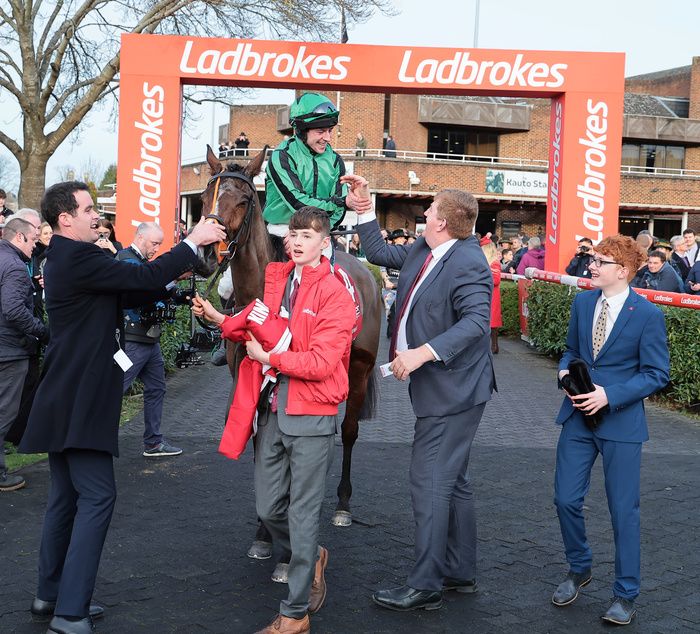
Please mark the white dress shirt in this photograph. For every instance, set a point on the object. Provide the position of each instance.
(615, 304)
(438, 253)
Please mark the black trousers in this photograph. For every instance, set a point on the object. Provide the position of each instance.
(79, 510)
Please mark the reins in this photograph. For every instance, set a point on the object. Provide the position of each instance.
(244, 226)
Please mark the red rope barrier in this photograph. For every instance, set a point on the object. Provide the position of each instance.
(679, 300)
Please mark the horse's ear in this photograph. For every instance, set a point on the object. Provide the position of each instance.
(214, 164)
(253, 168)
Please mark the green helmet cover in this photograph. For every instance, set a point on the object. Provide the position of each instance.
(312, 110)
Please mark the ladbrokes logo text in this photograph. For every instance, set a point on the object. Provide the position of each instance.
(460, 69)
(243, 61)
(149, 173)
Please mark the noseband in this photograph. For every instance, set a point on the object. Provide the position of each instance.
(245, 225)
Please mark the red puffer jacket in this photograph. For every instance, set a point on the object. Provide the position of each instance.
(321, 326)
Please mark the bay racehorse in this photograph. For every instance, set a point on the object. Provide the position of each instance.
(231, 198)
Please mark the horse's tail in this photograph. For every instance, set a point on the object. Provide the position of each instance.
(369, 406)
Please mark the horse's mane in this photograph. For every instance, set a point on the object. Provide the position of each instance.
(278, 252)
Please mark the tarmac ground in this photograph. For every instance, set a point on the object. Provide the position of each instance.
(175, 557)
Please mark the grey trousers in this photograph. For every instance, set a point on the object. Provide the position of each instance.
(12, 375)
(443, 501)
(290, 483)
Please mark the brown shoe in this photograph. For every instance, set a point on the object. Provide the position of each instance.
(318, 587)
(287, 625)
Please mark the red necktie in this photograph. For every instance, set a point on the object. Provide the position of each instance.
(292, 301)
(293, 295)
(404, 307)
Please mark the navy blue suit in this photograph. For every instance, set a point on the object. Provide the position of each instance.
(632, 364)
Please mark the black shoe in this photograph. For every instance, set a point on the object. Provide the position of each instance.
(406, 598)
(620, 611)
(460, 585)
(10, 482)
(567, 591)
(43, 610)
(63, 625)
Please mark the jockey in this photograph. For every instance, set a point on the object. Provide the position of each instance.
(305, 170)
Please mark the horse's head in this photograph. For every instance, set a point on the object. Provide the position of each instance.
(230, 194)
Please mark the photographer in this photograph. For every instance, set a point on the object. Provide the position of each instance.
(107, 239)
(579, 263)
(142, 328)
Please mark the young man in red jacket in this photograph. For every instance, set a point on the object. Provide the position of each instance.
(295, 438)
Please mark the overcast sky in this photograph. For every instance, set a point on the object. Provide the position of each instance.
(654, 34)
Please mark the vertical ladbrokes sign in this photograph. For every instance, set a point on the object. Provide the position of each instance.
(586, 89)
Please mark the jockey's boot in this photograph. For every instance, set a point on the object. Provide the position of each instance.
(287, 625)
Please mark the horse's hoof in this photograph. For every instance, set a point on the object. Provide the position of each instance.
(260, 550)
(281, 573)
(342, 518)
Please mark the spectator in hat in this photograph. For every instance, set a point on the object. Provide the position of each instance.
(241, 144)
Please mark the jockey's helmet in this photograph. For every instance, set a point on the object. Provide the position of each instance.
(312, 110)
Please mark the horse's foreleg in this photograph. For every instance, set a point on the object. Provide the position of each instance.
(361, 365)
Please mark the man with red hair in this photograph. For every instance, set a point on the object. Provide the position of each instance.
(606, 331)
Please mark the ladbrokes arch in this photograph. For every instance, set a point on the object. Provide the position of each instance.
(587, 91)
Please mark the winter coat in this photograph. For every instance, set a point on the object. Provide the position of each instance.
(321, 325)
(79, 399)
(533, 257)
(20, 330)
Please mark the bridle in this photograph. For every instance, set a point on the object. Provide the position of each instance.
(233, 244)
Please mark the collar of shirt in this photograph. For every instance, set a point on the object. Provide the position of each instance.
(137, 250)
(440, 251)
(615, 304)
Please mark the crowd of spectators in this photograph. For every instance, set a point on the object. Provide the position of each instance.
(671, 266)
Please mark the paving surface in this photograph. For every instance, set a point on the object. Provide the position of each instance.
(175, 558)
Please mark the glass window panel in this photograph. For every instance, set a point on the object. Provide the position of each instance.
(630, 154)
(675, 157)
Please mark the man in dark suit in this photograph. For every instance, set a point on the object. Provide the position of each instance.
(621, 337)
(442, 342)
(75, 416)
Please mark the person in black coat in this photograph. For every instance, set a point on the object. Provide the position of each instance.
(579, 263)
(75, 416)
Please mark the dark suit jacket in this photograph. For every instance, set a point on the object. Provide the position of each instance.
(452, 312)
(683, 267)
(633, 363)
(78, 401)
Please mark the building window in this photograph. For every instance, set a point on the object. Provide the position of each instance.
(455, 142)
(653, 157)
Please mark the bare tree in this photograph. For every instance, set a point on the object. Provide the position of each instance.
(59, 58)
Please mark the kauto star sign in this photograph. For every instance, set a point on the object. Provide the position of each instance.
(583, 182)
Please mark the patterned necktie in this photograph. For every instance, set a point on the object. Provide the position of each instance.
(402, 312)
(293, 295)
(599, 330)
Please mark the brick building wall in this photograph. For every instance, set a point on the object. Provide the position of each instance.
(360, 112)
(259, 122)
(664, 84)
(533, 144)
